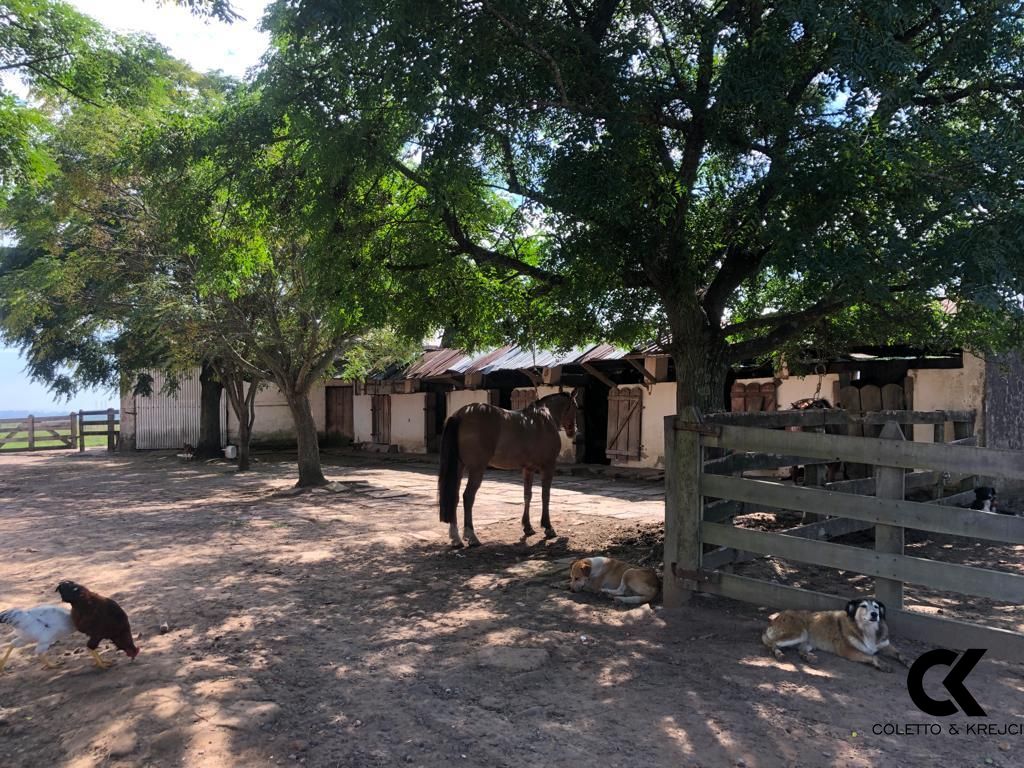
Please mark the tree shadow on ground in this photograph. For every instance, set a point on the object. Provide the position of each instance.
(314, 628)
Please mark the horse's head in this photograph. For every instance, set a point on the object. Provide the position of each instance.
(562, 407)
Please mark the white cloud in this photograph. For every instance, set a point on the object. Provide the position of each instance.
(204, 44)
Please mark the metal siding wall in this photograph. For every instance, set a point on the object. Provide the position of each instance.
(168, 422)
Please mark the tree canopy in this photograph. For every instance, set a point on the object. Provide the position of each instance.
(736, 178)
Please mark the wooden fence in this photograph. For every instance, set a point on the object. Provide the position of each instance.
(38, 433)
(55, 433)
(690, 525)
(103, 423)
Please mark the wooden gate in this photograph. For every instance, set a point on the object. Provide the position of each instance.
(38, 433)
(339, 412)
(625, 408)
(689, 525)
(380, 431)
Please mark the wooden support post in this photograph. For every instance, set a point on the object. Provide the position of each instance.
(110, 430)
(81, 432)
(814, 475)
(73, 428)
(939, 436)
(31, 432)
(889, 484)
(683, 505)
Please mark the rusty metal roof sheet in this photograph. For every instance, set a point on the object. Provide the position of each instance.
(437, 363)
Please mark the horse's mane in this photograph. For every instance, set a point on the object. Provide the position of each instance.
(552, 396)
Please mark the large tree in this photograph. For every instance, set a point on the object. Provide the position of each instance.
(83, 290)
(731, 177)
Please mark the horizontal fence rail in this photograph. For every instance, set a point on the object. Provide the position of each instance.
(907, 514)
(951, 577)
(871, 450)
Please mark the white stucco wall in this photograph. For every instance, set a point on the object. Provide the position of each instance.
(459, 398)
(408, 420)
(362, 418)
(958, 389)
(273, 421)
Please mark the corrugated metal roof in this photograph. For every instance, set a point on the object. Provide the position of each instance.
(436, 363)
(601, 352)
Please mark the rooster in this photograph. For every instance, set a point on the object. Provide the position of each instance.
(100, 618)
(43, 625)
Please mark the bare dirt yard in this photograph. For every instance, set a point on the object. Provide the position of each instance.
(336, 628)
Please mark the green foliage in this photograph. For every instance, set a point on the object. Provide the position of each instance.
(746, 177)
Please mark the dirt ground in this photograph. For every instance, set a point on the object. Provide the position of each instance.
(336, 628)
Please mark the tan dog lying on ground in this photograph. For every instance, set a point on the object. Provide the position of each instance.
(626, 583)
(859, 633)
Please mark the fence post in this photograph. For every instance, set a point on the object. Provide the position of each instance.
(110, 429)
(72, 430)
(81, 432)
(683, 505)
(31, 432)
(890, 484)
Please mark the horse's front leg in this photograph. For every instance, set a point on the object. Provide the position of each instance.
(472, 485)
(527, 495)
(545, 498)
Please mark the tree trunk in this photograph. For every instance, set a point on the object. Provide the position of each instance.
(702, 369)
(244, 436)
(208, 446)
(245, 421)
(310, 472)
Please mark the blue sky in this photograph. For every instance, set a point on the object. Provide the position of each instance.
(205, 45)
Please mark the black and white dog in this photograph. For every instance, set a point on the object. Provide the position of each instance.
(984, 499)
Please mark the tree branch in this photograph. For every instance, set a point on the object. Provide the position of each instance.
(467, 246)
(600, 20)
(531, 46)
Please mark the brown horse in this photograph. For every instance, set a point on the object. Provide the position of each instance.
(479, 436)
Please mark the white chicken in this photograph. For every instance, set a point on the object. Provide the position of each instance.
(43, 625)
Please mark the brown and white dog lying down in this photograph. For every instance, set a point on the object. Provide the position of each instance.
(624, 582)
(859, 633)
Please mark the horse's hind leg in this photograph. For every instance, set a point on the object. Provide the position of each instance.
(475, 477)
(527, 495)
(453, 526)
(545, 498)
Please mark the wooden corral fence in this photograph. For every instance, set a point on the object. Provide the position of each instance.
(898, 465)
(38, 433)
(104, 423)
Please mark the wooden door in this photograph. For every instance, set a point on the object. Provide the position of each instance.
(339, 412)
(433, 422)
(625, 407)
(521, 398)
(380, 412)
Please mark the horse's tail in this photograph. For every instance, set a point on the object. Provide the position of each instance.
(449, 476)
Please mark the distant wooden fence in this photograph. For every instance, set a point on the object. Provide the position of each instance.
(104, 423)
(38, 433)
(689, 524)
(55, 433)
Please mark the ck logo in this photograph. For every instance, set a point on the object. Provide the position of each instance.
(953, 682)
